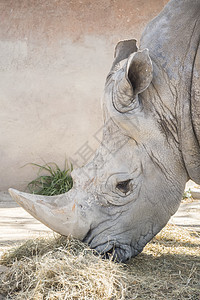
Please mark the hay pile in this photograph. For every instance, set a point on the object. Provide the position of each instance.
(63, 268)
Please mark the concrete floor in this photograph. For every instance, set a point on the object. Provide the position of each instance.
(17, 225)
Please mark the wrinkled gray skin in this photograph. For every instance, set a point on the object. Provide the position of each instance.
(150, 146)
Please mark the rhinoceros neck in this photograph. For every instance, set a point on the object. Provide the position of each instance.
(173, 41)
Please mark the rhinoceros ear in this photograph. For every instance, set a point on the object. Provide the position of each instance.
(131, 80)
(139, 71)
(124, 49)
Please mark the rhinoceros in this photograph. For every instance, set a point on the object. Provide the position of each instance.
(151, 142)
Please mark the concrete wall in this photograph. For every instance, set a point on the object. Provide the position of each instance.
(54, 57)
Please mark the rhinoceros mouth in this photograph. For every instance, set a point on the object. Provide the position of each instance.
(118, 254)
(115, 252)
(110, 248)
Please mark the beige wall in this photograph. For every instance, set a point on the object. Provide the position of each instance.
(54, 57)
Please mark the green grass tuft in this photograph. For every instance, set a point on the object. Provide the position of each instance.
(54, 182)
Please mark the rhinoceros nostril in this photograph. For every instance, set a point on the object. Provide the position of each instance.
(108, 254)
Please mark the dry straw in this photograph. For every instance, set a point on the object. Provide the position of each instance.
(64, 268)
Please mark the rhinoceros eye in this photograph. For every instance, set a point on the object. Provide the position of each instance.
(124, 186)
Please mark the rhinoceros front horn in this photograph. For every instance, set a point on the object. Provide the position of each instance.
(132, 79)
(59, 213)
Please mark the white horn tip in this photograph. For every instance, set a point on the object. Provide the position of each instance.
(13, 193)
(16, 195)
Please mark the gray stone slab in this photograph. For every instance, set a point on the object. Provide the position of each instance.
(188, 215)
(195, 192)
(6, 200)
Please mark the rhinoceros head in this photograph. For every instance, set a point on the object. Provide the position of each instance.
(128, 192)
